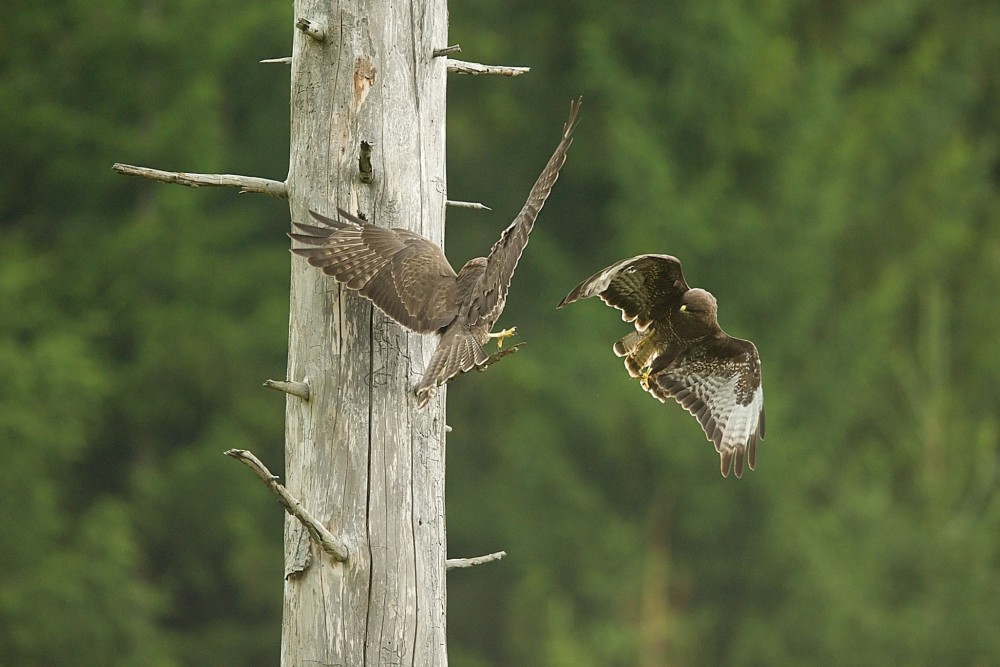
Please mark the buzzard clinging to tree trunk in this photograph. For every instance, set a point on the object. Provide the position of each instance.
(679, 351)
(411, 281)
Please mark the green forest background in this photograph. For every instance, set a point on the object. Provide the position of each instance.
(830, 170)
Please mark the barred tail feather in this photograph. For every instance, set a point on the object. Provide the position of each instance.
(458, 351)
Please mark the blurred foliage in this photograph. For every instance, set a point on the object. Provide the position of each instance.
(831, 171)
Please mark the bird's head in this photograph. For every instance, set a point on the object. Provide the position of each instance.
(698, 310)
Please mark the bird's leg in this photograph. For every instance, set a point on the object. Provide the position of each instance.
(501, 336)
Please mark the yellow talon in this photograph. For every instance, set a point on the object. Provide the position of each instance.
(644, 378)
(503, 335)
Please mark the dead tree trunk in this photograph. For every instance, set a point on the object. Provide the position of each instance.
(367, 135)
(365, 552)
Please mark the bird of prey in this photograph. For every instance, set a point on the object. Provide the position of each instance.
(411, 281)
(679, 351)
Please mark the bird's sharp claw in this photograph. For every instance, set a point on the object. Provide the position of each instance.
(501, 336)
(644, 379)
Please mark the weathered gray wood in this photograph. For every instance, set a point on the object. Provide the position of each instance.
(332, 544)
(475, 69)
(244, 183)
(358, 454)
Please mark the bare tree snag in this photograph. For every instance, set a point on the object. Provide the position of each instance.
(358, 453)
(455, 563)
(447, 50)
(244, 183)
(367, 135)
(300, 389)
(314, 29)
(329, 542)
(476, 69)
(476, 206)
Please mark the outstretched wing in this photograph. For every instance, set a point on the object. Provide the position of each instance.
(402, 273)
(506, 252)
(644, 288)
(718, 382)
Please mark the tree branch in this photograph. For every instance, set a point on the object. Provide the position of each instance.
(314, 29)
(490, 360)
(330, 543)
(454, 563)
(498, 355)
(244, 183)
(447, 51)
(467, 204)
(300, 389)
(475, 69)
(287, 60)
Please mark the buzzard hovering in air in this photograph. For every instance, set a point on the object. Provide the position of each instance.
(411, 281)
(678, 351)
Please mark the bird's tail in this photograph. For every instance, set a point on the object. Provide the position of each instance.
(637, 350)
(457, 352)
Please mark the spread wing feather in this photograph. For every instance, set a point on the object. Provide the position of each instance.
(719, 383)
(642, 288)
(402, 273)
(506, 252)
